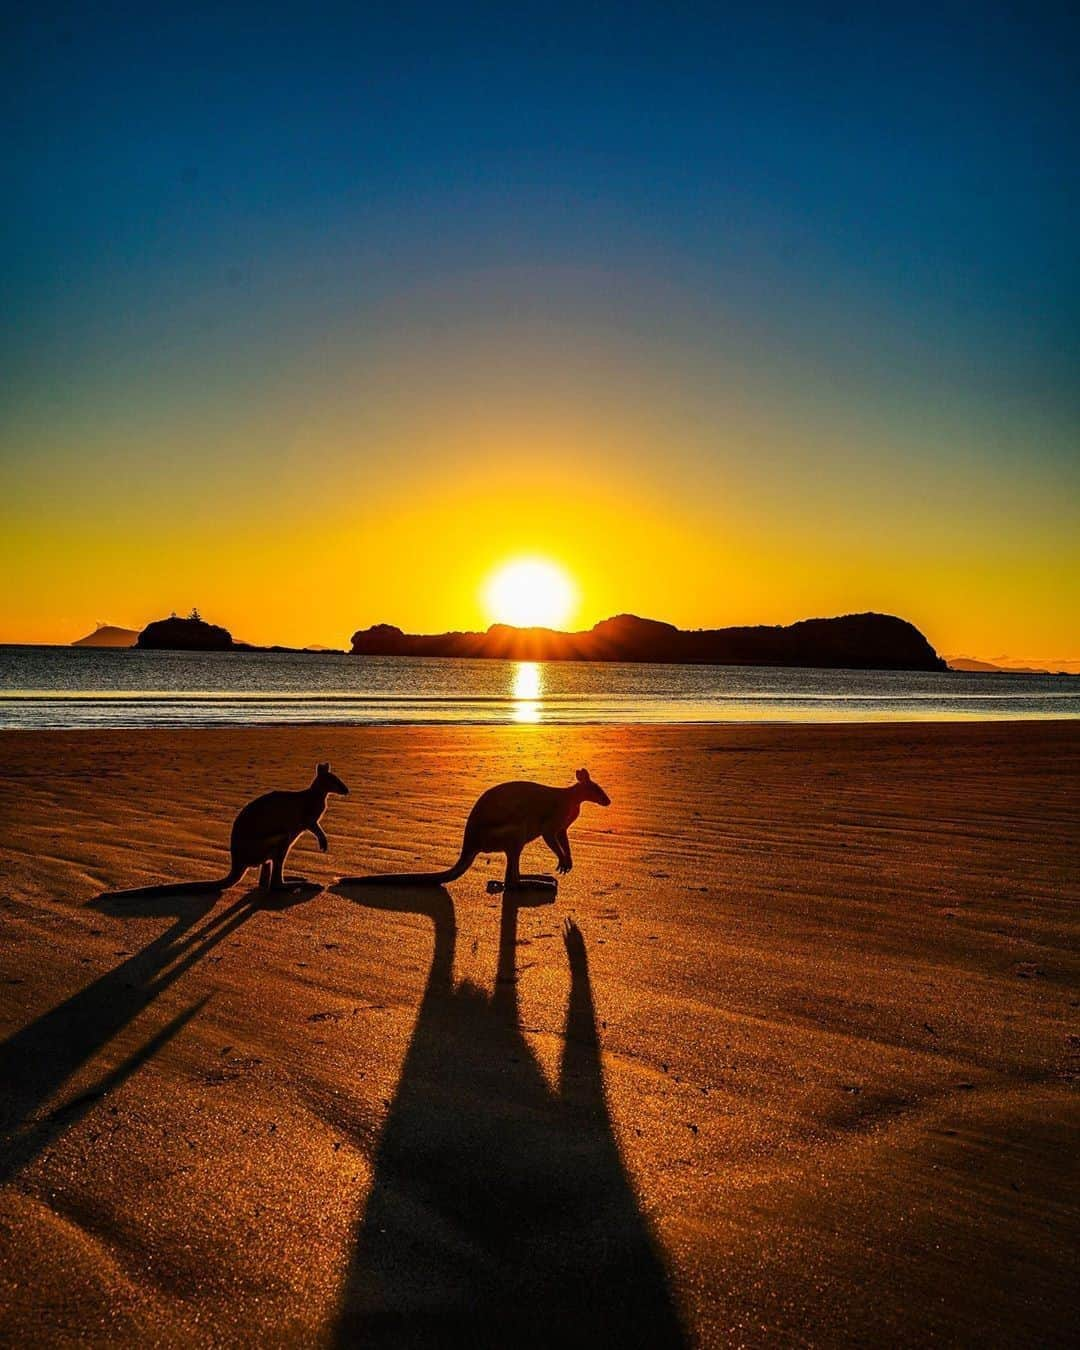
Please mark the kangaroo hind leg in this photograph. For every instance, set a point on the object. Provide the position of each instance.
(514, 881)
(277, 872)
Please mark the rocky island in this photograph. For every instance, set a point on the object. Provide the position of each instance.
(194, 634)
(851, 642)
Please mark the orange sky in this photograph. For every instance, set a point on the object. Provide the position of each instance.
(323, 532)
(384, 479)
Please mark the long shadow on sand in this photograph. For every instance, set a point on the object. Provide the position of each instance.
(37, 1061)
(500, 1211)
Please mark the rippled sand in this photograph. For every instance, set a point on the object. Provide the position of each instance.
(802, 1070)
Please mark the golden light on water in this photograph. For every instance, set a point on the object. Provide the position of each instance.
(526, 691)
(530, 593)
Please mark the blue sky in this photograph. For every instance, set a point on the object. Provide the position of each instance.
(864, 217)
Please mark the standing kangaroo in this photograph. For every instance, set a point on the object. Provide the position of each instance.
(504, 820)
(267, 828)
(262, 835)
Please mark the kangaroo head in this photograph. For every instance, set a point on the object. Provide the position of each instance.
(329, 782)
(590, 791)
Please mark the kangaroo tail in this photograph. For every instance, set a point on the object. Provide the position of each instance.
(210, 884)
(179, 887)
(459, 869)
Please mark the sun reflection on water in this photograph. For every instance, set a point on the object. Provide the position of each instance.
(526, 691)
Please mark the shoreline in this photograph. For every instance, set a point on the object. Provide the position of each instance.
(463, 725)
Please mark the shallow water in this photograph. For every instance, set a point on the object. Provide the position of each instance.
(83, 687)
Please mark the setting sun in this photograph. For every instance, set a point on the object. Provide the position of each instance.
(530, 593)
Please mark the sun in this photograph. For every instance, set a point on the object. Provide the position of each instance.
(530, 593)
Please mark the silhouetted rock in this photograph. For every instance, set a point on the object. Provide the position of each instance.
(185, 635)
(106, 635)
(852, 642)
(194, 634)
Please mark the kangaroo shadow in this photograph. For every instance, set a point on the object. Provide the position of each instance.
(500, 1212)
(38, 1060)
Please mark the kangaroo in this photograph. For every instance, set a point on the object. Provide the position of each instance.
(504, 820)
(267, 828)
(263, 833)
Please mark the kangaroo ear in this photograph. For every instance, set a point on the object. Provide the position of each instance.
(323, 768)
(582, 775)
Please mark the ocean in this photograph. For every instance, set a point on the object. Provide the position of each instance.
(65, 687)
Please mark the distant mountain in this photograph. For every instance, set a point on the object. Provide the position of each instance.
(105, 635)
(852, 641)
(970, 664)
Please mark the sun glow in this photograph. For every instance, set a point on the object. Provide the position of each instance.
(526, 689)
(530, 593)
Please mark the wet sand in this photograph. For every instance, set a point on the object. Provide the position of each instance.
(801, 1070)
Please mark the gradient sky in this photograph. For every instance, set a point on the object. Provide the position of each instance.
(315, 314)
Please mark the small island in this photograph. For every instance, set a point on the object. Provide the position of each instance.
(194, 634)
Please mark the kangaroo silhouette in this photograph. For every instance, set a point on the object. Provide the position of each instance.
(505, 819)
(267, 828)
(262, 835)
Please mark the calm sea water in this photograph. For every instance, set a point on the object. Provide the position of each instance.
(84, 687)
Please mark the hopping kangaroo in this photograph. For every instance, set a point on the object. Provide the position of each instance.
(504, 820)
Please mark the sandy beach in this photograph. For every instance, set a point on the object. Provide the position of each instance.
(802, 1068)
